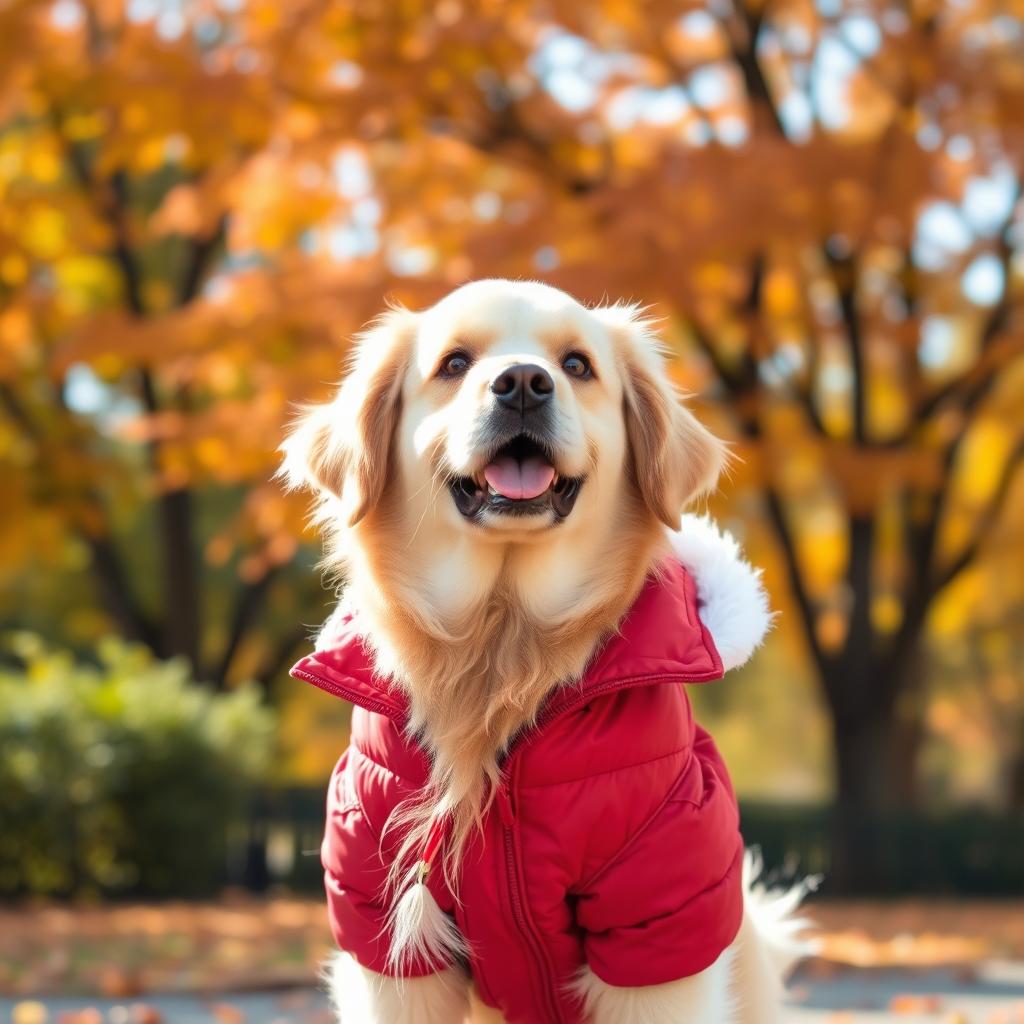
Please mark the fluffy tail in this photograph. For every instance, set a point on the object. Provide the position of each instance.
(771, 941)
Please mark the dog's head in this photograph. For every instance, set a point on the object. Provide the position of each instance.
(506, 411)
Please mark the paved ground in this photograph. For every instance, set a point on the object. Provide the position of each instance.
(992, 994)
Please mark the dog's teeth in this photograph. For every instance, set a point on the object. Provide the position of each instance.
(491, 490)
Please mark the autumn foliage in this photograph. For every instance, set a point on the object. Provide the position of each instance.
(201, 202)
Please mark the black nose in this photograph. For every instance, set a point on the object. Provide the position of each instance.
(523, 386)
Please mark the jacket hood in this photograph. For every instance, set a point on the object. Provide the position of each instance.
(733, 604)
(704, 612)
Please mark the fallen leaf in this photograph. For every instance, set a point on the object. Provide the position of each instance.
(228, 1014)
(143, 1013)
(29, 1013)
(915, 1004)
(117, 983)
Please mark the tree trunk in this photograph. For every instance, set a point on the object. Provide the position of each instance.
(181, 577)
(877, 736)
(1016, 794)
(863, 762)
(863, 752)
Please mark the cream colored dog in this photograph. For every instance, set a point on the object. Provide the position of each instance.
(521, 559)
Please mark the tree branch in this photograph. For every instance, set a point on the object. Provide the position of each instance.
(247, 607)
(732, 381)
(994, 323)
(181, 619)
(281, 655)
(200, 257)
(843, 271)
(17, 412)
(117, 217)
(105, 561)
(116, 592)
(743, 44)
(986, 523)
(112, 205)
(807, 612)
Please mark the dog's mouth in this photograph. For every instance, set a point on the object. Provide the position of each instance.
(519, 480)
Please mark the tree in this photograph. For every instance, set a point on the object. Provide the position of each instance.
(202, 202)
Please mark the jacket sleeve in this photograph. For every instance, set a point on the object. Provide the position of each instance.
(670, 901)
(355, 861)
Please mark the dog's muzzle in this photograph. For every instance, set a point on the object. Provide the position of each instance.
(518, 479)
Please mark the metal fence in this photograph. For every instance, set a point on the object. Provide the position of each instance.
(966, 853)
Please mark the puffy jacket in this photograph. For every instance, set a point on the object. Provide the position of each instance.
(614, 841)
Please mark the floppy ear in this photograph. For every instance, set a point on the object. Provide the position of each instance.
(344, 446)
(673, 457)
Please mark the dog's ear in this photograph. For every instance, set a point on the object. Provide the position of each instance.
(673, 458)
(344, 446)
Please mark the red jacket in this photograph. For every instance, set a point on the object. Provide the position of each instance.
(614, 841)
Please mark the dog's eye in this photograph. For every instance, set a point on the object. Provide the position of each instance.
(455, 364)
(577, 365)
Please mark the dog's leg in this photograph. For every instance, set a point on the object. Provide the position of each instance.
(705, 998)
(361, 996)
(479, 1013)
(746, 985)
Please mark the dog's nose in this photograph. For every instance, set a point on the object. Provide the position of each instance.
(523, 386)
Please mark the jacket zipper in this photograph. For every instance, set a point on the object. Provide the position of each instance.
(523, 923)
(504, 800)
(508, 821)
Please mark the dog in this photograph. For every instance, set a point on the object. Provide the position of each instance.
(528, 825)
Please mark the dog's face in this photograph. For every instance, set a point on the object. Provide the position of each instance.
(512, 400)
(506, 412)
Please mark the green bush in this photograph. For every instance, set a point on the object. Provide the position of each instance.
(124, 776)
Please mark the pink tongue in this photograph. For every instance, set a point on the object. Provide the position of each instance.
(513, 479)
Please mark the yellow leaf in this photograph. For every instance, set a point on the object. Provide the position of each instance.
(43, 164)
(45, 232)
(13, 269)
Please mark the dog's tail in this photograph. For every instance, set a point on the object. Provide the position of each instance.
(772, 939)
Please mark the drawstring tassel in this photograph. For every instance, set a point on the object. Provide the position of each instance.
(420, 929)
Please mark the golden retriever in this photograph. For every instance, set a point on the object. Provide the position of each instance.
(496, 477)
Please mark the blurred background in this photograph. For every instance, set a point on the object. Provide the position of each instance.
(202, 200)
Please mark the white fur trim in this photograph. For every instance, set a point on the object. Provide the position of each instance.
(361, 996)
(733, 603)
(704, 998)
(421, 930)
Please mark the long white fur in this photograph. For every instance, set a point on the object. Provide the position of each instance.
(733, 603)
(421, 930)
(360, 996)
(705, 998)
